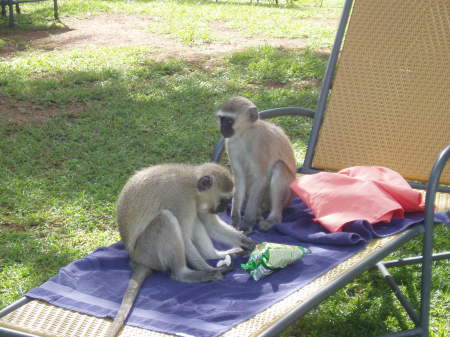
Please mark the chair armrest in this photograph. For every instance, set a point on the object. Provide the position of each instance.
(433, 184)
(427, 249)
(264, 114)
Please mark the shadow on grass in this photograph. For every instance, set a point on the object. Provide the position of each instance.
(60, 178)
(28, 27)
(369, 311)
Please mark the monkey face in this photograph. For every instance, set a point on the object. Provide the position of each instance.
(226, 126)
(223, 204)
(214, 206)
(214, 200)
(236, 118)
(214, 188)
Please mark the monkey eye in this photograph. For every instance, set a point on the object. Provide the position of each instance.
(226, 121)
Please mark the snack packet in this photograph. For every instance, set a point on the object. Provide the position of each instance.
(269, 256)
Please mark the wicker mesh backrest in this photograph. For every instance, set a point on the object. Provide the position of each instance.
(390, 102)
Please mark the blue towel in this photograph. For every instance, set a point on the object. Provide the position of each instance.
(96, 283)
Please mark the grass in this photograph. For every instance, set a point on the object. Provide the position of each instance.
(176, 17)
(118, 109)
(62, 177)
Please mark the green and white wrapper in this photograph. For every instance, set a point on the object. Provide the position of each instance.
(269, 256)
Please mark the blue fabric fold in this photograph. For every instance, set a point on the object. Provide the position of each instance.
(298, 223)
(95, 284)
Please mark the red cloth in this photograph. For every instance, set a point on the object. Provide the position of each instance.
(371, 193)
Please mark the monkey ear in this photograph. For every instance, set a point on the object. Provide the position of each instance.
(204, 183)
(253, 114)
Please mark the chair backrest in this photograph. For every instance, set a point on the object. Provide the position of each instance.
(390, 98)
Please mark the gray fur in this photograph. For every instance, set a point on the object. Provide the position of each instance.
(166, 221)
(263, 164)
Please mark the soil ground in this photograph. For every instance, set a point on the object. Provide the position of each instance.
(131, 30)
(121, 30)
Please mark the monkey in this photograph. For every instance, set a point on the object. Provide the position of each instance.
(167, 215)
(262, 161)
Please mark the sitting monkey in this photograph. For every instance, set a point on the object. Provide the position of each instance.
(167, 215)
(262, 160)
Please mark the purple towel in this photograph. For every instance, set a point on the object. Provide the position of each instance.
(95, 284)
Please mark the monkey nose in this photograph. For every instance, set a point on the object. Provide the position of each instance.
(221, 208)
(227, 132)
(223, 205)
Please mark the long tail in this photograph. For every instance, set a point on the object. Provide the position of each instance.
(140, 273)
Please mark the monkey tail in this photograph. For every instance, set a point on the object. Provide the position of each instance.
(140, 273)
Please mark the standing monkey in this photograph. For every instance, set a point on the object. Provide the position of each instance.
(262, 161)
(167, 215)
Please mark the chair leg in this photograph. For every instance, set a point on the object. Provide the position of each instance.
(425, 294)
(55, 9)
(11, 13)
(398, 293)
(422, 322)
(427, 251)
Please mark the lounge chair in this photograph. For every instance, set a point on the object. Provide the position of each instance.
(385, 103)
(11, 3)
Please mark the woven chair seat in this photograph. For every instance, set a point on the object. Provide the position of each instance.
(43, 319)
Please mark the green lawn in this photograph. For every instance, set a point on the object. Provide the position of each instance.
(106, 112)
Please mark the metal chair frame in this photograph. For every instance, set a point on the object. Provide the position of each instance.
(421, 319)
(11, 3)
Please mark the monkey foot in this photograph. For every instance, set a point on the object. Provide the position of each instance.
(265, 225)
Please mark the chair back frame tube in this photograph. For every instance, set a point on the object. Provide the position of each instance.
(427, 249)
(326, 84)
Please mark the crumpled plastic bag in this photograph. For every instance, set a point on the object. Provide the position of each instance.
(268, 257)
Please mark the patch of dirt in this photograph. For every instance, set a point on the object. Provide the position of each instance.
(26, 112)
(132, 30)
(16, 227)
(274, 84)
(312, 82)
(122, 30)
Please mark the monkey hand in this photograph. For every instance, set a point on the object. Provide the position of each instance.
(247, 244)
(225, 265)
(225, 261)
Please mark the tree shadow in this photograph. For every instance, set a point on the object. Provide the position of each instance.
(29, 27)
(63, 175)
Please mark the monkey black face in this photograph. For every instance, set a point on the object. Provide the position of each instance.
(226, 126)
(223, 204)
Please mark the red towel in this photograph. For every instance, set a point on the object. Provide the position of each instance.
(372, 193)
